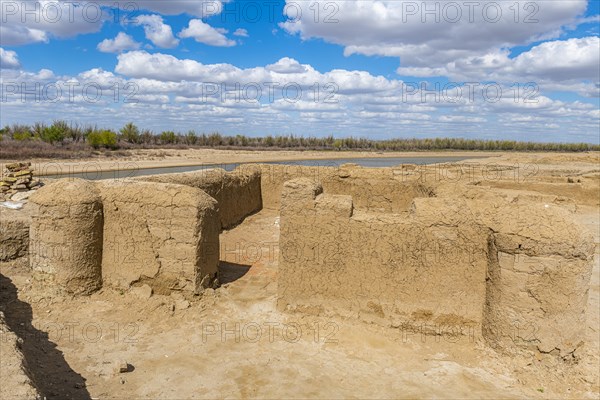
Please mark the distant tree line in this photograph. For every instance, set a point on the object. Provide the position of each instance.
(62, 134)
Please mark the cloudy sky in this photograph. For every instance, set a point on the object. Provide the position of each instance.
(526, 70)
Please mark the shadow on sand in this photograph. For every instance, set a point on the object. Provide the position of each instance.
(47, 366)
(229, 272)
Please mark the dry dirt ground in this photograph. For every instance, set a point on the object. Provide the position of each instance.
(233, 343)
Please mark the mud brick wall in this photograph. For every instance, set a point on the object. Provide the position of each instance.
(66, 235)
(420, 271)
(160, 234)
(14, 235)
(538, 277)
(238, 193)
(516, 272)
(388, 190)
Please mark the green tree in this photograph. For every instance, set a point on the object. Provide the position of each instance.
(55, 133)
(191, 138)
(337, 144)
(22, 135)
(215, 139)
(130, 133)
(168, 137)
(104, 138)
(38, 130)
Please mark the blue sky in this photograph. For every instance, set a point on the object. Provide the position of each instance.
(379, 67)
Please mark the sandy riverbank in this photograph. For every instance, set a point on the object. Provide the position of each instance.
(155, 158)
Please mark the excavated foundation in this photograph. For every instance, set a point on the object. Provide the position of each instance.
(378, 245)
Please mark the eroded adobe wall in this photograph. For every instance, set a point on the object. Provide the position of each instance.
(163, 235)
(238, 193)
(14, 234)
(66, 234)
(422, 271)
(388, 190)
(538, 278)
(517, 271)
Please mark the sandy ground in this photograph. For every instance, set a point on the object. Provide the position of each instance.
(233, 343)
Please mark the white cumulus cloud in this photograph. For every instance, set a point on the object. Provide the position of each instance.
(204, 33)
(16, 35)
(561, 60)
(32, 21)
(430, 33)
(159, 33)
(120, 43)
(548, 64)
(9, 59)
(286, 66)
(241, 32)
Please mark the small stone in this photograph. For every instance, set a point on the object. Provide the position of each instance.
(143, 292)
(17, 166)
(21, 196)
(31, 184)
(23, 173)
(182, 304)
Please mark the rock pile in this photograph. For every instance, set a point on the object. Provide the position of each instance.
(17, 178)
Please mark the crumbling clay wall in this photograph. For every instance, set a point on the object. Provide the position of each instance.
(238, 193)
(423, 271)
(387, 190)
(66, 235)
(162, 235)
(538, 278)
(14, 234)
(517, 272)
